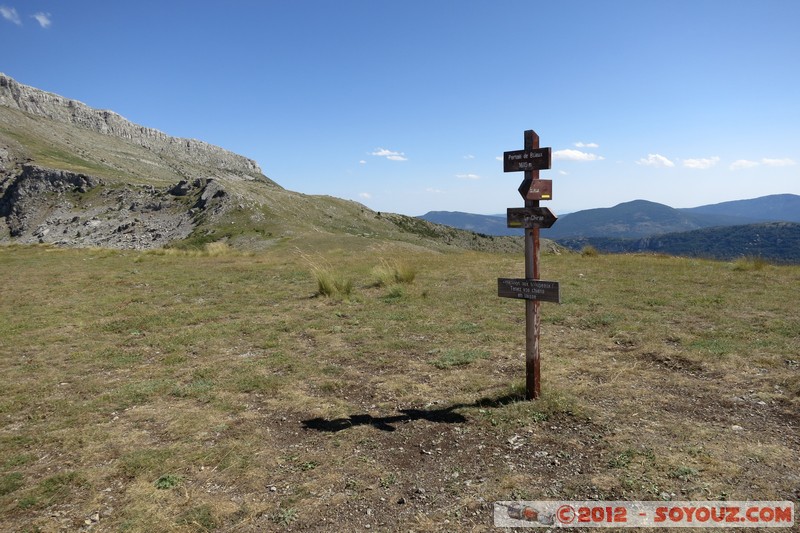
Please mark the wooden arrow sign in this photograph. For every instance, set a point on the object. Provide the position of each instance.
(530, 217)
(540, 190)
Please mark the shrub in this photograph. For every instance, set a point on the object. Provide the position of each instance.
(217, 248)
(589, 251)
(167, 481)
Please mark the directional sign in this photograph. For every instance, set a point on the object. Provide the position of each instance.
(519, 160)
(529, 289)
(540, 190)
(530, 217)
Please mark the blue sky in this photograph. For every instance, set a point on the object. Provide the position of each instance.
(407, 106)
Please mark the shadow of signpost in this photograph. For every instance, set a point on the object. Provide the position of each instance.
(444, 416)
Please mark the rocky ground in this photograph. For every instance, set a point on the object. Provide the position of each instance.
(40, 205)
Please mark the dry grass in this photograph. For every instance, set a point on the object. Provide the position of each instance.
(211, 391)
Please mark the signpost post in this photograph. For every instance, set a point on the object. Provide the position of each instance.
(531, 160)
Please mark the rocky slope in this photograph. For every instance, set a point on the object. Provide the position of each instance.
(64, 208)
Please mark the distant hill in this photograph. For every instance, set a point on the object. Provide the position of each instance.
(778, 242)
(485, 224)
(776, 207)
(636, 219)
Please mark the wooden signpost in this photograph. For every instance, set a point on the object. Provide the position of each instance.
(531, 160)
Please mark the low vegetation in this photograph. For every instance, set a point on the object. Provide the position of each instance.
(776, 242)
(214, 390)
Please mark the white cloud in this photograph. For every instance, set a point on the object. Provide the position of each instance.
(703, 163)
(364, 195)
(435, 191)
(743, 163)
(563, 172)
(655, 160)
(11, 15)
(576, 155)
(44, 19)
(362, 162)
(586, 145)
(390, 154)
(499, 157)
(469, 156)
(468, 176)
(746, 163)
(786, 162)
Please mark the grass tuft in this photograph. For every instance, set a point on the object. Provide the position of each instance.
(390, 273)
(455, 357)
(749, 264)
(331, 283)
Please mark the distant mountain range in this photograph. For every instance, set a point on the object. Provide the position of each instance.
(639, 218)
(723, 230)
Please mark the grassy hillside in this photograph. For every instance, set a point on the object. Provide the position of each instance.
(213, 391)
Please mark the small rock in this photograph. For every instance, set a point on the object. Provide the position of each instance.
(737, 428)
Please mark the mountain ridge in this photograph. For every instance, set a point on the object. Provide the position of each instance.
(33, 101)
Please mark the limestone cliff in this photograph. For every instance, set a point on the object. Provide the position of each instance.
(36, 102)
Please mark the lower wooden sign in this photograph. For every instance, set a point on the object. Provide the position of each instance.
(529, 289)
(530, 217)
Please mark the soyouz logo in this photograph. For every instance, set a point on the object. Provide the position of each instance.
(566, 514)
